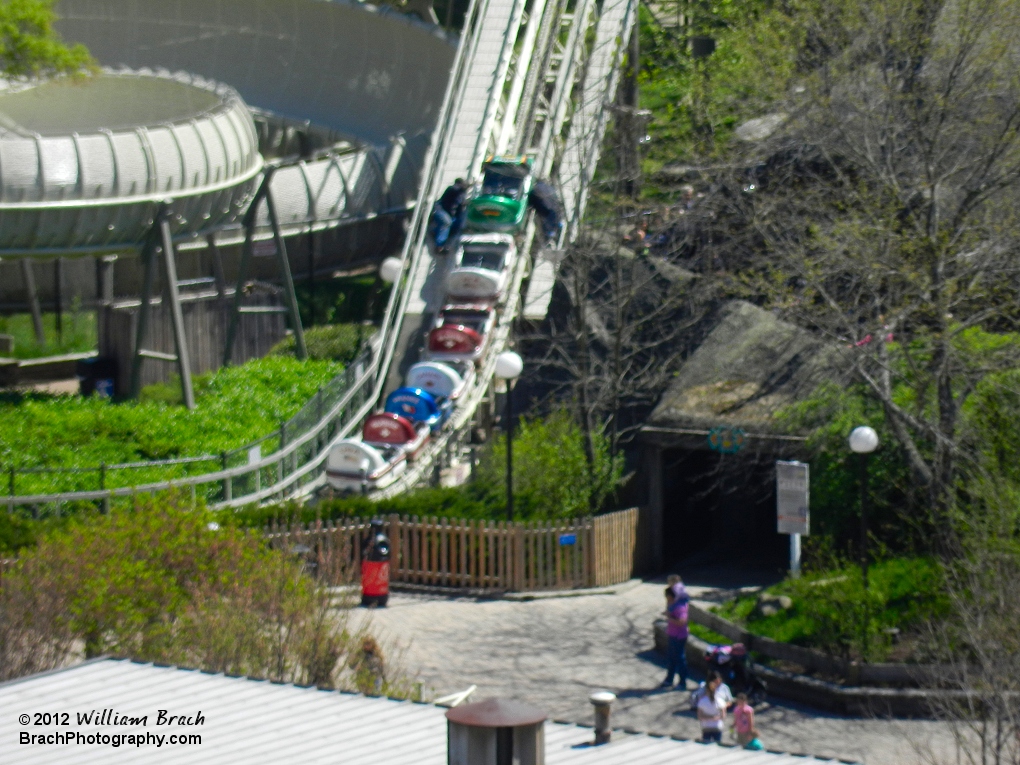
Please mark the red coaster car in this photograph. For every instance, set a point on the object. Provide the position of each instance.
(461, 333)
(386, 429)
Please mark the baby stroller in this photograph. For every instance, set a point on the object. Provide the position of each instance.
(732, 664)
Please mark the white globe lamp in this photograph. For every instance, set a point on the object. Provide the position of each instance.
(389, 269)
(863, 440)
(509, 365)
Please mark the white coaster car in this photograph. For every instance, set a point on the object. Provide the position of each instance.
(443, 379)
(386, 429)
(356, 466)
(481, 267)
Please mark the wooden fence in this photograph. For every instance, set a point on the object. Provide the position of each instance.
(481, 555)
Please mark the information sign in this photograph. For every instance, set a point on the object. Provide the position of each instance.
(725, 440)
(792, 497)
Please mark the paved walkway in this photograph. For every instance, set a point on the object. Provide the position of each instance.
(555, 652)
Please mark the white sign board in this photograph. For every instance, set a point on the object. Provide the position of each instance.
(792, 497)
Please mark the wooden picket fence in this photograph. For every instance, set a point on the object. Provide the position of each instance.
(479, 555)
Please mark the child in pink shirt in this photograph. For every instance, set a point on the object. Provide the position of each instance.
(743, 721)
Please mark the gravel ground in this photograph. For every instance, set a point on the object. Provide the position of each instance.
(555, 652)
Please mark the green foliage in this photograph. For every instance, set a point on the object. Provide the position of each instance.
(345, 300)
(79, 333)
(696, 103)
(552, 477)
(235, 405)
(16, 532)
(551, 480)
(829, 606)
(828, 416)
(332, 342)
(709, 636)
(160, 584)
(458, 502)
(29, 45)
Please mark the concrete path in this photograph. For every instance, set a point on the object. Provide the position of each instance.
(555, 652)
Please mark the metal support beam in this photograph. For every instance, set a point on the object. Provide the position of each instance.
(219, 279)
(33, 300)
(159, 236)
(58, 296)
(148, 257)
(242, 267)
(176, 314)
(288, 280)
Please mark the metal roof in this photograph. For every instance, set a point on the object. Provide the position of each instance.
(259, 722)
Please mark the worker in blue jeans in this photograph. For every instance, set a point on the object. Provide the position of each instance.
(676, 638)
(448, 214)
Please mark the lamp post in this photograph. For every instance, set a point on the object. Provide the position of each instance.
(389, 271)
(863, 441)
(509, 366)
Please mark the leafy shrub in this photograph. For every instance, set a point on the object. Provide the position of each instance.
(159, 584)
(456, 502)
(552, 477)
(15, 532)
(235, 405)
(551, 480)
(829, 606)
(347, 299)
(332, 342)
(78, 333)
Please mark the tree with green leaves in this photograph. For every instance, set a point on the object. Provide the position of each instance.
(879, 210)
(31, 47)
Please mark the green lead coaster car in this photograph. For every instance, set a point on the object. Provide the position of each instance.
(502, 202)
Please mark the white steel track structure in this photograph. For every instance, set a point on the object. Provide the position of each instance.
(479, 114)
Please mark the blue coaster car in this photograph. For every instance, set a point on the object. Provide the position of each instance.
(418, 406)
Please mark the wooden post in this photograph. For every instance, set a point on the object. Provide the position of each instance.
(518, 559)
(396, 548)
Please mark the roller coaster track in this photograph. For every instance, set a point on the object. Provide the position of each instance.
(533, 83)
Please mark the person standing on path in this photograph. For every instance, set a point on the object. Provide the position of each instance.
(712, 700)
(676, 639)
(743, 723)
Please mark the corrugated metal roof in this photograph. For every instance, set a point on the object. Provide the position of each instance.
(258, 722)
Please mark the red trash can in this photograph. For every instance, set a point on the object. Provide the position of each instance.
(375, 566)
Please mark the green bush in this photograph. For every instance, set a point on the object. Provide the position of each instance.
(78, 333)
(458, 502)
(161, 584)
(348, 299)
(829, 606)
(552, 477)
(332, 342)
(235, 405)
(551, 481)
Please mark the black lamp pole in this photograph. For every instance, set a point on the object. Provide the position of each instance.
(509, 452)
(864, 554)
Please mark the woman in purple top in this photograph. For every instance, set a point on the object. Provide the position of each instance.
(676, 638)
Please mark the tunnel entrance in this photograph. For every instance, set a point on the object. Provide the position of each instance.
(718, 511)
